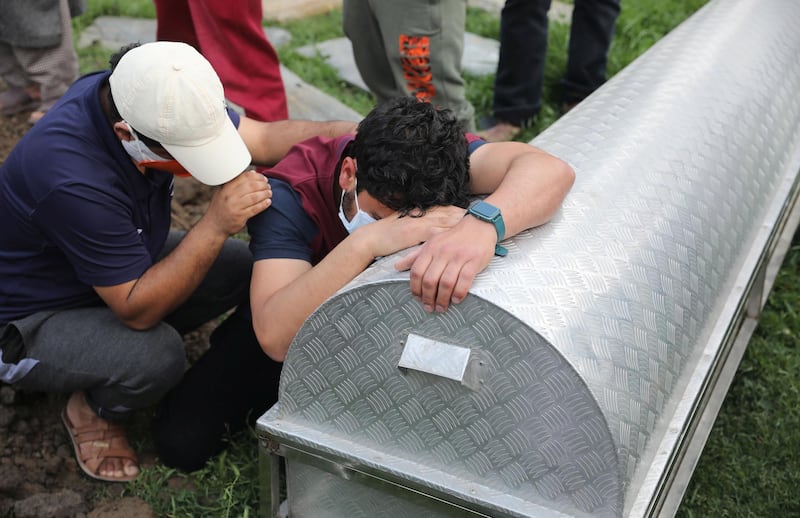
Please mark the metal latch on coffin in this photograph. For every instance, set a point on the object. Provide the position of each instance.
(442, 359)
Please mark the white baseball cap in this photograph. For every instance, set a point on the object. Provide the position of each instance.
(169, 92)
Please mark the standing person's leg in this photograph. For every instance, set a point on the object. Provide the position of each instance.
(520, 68)
(53, 69)
(592, 31)
(363, 29)
(174, 22)
(21, 93)
(11, 71)
(424, 42)
(231, 37)
(447, 53)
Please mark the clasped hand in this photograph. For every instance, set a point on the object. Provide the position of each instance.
(455, 249)
(239, 200)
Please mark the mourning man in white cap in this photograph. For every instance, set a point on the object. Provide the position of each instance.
(96, 291)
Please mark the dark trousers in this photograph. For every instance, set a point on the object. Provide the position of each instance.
(229, 387)
(523, 50)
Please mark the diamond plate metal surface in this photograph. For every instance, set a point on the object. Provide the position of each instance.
(593, 322)
(532, 429)
(318, 494)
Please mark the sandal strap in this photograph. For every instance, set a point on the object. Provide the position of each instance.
(97, 430)
(102, 453)
(85, 435)
(94, 443)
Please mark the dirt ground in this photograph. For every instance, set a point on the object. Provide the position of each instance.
(38, 473)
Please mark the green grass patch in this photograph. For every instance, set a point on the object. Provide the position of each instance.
(750, 466)
(314, 70)
(227, 486)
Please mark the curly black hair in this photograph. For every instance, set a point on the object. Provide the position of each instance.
(412, 156)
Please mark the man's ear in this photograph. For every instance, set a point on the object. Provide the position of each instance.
(347, 173)
(123, 131)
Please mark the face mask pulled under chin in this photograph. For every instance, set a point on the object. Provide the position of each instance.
(145, 157)
(360, 219)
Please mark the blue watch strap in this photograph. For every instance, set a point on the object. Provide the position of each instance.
(489, 213)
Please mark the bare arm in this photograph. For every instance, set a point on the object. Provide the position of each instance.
(268, 142)
(284, 292)
(526, 183)
(142, 303)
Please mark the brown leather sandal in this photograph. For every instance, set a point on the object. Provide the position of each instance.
(96, 442)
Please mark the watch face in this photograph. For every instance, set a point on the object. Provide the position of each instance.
(486, 210)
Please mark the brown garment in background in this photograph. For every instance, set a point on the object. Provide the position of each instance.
(33, 60)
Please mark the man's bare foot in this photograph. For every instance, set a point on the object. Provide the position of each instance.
(500, 132)
(102, 450)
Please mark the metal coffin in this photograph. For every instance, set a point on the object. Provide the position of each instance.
(583, 372)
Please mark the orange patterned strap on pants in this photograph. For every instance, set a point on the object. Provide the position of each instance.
(411, 47)
(415, 56)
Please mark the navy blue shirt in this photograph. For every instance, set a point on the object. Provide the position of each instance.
(284, 230)
(75, 211)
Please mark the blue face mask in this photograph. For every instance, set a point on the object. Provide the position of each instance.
(360, 219)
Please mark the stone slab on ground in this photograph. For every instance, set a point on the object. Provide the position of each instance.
(113, 32)
(309, 103)
(338, 53)
(480, 57)
(305, 101)
(559, 11)
(285, 10)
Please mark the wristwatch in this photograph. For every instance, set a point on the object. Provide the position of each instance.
(490, 214)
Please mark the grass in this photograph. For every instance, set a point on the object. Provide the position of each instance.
(226, 487)
(749, 466)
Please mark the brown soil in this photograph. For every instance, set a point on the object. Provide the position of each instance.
(38, 472)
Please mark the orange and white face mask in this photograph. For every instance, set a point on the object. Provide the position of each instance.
(143, 156)
(170, 166)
